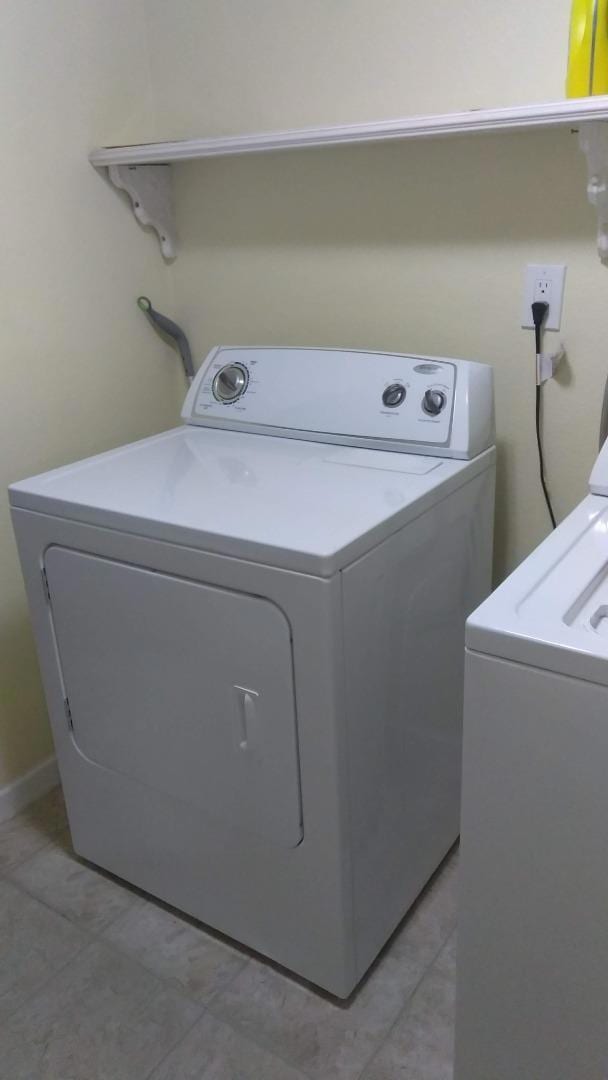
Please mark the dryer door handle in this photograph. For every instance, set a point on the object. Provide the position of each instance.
(247, 713)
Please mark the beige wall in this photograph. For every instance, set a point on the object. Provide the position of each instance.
(222, 66)
(80, 369)
(421, 248)
(407, 247)
(417, 246)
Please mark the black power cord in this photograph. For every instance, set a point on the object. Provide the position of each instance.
(539, 313)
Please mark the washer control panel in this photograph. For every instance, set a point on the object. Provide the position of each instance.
(385, 400)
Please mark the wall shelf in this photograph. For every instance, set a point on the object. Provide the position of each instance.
(476, 121)
(127, 164)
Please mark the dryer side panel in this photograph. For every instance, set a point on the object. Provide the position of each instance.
(405, 605)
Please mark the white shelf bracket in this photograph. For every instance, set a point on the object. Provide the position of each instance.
(594, 144)
(150, 188)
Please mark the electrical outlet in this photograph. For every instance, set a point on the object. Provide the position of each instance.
(544, 282)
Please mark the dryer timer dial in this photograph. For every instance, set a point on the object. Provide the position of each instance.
(230, 383)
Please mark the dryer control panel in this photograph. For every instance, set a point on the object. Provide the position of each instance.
(389, 401)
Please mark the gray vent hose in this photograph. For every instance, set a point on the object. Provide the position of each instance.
(172, 330)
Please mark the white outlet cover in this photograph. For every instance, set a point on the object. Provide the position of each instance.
(544, 281)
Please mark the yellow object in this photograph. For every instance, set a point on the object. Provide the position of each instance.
(588, 50)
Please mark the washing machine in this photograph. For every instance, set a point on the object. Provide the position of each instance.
(250, 630)
(532, 998)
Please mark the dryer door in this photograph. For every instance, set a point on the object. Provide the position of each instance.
(181, 686)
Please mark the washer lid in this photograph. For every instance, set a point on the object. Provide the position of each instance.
(552, 612)
(302, 505)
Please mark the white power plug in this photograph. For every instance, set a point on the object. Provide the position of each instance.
(546, 283)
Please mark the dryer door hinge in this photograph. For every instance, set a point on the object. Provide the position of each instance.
(68, 713)
(45, 585)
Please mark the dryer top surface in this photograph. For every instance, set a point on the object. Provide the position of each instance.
(301, 505)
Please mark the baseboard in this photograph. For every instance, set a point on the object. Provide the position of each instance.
(25, 789)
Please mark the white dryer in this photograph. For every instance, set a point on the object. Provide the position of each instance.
(532, 998)
(251, 630)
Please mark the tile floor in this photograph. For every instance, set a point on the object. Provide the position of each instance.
(98, 982)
